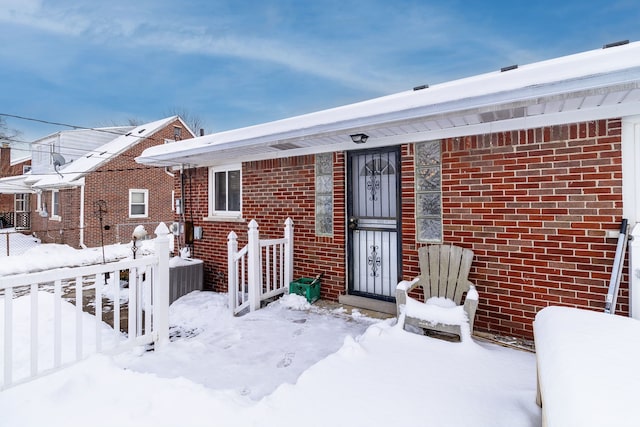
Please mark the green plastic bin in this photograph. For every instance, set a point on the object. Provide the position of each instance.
(306, 287)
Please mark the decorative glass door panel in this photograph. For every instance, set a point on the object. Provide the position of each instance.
(374, 223)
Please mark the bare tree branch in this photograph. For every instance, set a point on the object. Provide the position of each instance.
(194, 121)
(7, 135)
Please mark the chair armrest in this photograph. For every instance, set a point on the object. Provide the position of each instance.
(402, 289)
(471, 304)
(472, 293)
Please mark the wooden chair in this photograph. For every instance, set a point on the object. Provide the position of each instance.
(443, 277)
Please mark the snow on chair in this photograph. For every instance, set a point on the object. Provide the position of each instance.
(443, 277)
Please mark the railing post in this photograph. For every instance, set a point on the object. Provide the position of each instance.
(288, 252)
(634, 273)
(232, 271)
(161, 291)
(255, 272)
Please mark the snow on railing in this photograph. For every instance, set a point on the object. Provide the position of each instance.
(73, 312)
(262, 269)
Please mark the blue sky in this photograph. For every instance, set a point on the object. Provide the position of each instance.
(236, 63)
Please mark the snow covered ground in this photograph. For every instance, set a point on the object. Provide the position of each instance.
(285, 365)
(289, 364)
(17, 243)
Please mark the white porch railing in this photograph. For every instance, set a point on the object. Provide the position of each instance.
(260, 270)
(72, 333)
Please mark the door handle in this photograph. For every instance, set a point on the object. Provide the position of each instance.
(353, 223)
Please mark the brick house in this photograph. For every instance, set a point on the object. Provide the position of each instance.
(77, 174)
(531, 167)
(14, 195)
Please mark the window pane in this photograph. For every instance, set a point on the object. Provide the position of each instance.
(221, 191)
(21, 202)
(137, 210)
(137, 198)
(56, 203)
(234, 190)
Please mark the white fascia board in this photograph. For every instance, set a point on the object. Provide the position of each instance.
(14, 185)
(232, 153)
(253, 136)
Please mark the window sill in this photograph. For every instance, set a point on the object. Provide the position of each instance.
(55, 218)
(223, 218)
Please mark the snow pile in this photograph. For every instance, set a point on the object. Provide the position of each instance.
(49, 256)
(588, 367)
(178, 261)
(21, 333)
(284, 367)
(437, 310)
(295, 302)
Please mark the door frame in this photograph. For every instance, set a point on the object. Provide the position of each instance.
(349, 210)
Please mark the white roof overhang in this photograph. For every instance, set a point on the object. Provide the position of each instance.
(590, 86)
(15, 185)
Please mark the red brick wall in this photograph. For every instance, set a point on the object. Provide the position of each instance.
(111, 183)
(63, 231)
(6, 170)
(533, 205)
(272, 191)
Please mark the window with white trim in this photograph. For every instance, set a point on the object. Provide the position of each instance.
(55, 205)
(138, 203)
(21, 202)
(39, 205)
(225, 191)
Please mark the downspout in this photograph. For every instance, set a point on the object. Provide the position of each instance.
(634, 273)
(81, 224)
(182, 207)
(631, 205)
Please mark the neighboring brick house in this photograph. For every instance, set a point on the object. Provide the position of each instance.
(14, 195)
(77, 174)
(532, 168)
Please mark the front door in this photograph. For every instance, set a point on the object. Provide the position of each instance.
(373, 212)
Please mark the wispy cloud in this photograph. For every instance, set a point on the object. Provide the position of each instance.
(332, 49)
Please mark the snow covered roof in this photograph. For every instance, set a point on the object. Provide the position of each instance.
(89, 137)
(21, 159)
(14, 185)
(71, 173)
(591, 85)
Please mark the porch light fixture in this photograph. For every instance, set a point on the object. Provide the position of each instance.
(359, 138)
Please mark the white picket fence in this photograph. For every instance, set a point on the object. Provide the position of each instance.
(146, 312)
(260, 270)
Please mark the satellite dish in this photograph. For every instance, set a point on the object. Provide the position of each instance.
(58, 160)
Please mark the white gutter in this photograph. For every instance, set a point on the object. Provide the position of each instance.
(440, 101)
